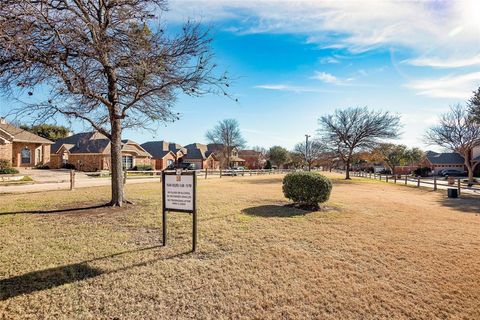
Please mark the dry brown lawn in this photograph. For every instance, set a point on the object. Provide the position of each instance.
(379, 251)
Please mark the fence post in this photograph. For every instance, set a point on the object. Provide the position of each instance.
(386, 178)
(72, 179)
(459, 186)
(220, 172)
(206, 173)
(125, 176)
(406, 179)
(418, 181)
(434, 183)
(395, 179)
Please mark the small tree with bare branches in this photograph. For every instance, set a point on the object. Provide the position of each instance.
(356, 129)
(102, 62)
(459, 132)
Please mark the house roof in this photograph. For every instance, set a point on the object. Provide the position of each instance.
(95, 142)
(445, 158)
(20, 135)
(249, 153)
(197, 151)
(159, 149)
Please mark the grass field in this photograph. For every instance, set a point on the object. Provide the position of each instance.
(376, 251)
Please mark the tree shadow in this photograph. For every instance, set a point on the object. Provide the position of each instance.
(54, 277)
(262, 181)
(464, 204)
(271, 211)
(59, 211)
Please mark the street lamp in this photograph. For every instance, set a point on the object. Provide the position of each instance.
(306, 150)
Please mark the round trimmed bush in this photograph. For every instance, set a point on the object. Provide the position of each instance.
(307, 188)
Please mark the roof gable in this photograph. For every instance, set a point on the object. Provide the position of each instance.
(20, 135)
(445, 158)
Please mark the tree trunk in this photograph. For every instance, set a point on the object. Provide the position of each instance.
(469, 168)
(347, 169)
(116, 160)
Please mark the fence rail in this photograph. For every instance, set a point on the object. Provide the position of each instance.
(434, 182)
(206, 173)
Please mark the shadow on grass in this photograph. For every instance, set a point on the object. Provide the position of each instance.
(54, 277)
(270, 211)
(61, 210)
(464, 204)
(263, 181)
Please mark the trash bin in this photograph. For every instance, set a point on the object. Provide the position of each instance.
(452, 193)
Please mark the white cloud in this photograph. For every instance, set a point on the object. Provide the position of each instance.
(446, 28)
(329, 60)
(326, 77)
(452, 86)
(436, 62)
(291, 88)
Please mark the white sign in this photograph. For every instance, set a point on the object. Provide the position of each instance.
(179, 192)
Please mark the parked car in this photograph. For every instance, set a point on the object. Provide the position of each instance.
(453, 172)
(182, 165)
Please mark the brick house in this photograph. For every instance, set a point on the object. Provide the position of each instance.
(445, 160)
(199, 155)
(220, 152)
(90, 151)
(23, 148)
(253, 159)
(164, 153)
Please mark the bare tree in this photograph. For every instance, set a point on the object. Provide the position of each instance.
(99, 61)
(311, 152)
(227, 132)
(355, 129)
(458, 132)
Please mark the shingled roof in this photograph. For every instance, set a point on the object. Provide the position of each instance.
(159, 149)
(197, 151)
(445, 158)
(95, 142)
(16, 134)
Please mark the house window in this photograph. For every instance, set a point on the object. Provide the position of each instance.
(169, 162)
(25, 153)
(127, 162)
(38, 153)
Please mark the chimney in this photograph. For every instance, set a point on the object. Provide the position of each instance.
(2, 121)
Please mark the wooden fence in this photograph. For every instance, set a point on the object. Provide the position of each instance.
(434, 182)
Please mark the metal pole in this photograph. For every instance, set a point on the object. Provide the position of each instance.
(164, 213)
(306, 151)
(194, 215)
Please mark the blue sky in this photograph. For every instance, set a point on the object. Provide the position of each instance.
(294, 61)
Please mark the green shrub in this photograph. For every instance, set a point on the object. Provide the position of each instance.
(42, 166)
(6, 167)
(307, 188)
(422, 172)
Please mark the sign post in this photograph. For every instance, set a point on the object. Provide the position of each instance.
(179, 194)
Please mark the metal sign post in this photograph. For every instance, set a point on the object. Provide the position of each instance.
(179, 194)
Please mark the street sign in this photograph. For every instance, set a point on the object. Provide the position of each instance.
(179, 194)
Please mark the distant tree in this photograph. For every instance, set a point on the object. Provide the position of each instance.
(100, 63)
(310, 153)
(393, 155)
(261, 156)
(268, 165)
(459, 132)
(47, 131)
(355, 129)
(278, 155)
(295, 160)
(415, 156)
(474, 105)
(227, 132)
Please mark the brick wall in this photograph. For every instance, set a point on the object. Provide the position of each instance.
(6, 151)
(87, 162)
(17, 148)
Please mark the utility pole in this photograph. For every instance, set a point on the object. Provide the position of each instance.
(306, 150)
